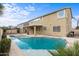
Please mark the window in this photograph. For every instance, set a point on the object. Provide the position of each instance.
(38, 29)
(61, 14)
(37, 19)
(56, 29)
(44, 28)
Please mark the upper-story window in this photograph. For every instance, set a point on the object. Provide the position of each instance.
(61, 14)
(37, 19)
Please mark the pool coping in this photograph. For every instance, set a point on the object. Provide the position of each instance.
(70, 41)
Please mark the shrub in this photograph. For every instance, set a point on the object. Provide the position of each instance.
(5, 46)
(70, 51)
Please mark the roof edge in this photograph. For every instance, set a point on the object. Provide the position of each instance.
(48, 14)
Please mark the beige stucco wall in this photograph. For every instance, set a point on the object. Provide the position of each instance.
(11, 31)
(52, 20)
(69, 20)
(1, 32)
(76, 31)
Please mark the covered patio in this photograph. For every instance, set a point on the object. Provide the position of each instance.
(34, 29)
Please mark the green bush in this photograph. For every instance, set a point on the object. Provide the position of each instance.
(5, 46)
(70, 51)
(4, 34)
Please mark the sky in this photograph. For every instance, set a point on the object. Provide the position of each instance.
(16, 13)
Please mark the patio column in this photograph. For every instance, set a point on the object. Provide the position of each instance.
(34, 30)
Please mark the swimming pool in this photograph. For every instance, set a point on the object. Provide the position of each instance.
(39, 43)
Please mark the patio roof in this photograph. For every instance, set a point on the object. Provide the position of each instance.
(35, 26)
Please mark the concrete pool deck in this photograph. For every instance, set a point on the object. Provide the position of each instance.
(15, 51)
(70, 41)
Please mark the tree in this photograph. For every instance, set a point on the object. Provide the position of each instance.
(77, 20)
(1, 9)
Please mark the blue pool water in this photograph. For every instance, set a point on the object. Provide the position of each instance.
(39, 43)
